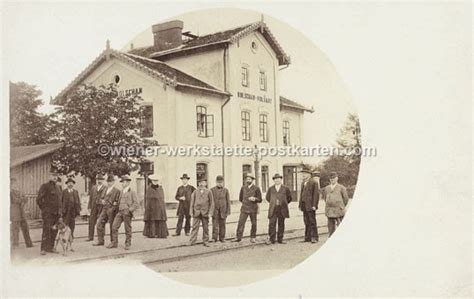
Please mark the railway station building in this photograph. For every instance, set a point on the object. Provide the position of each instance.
(215, 89)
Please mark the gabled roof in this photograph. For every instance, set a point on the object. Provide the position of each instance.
(157, 69)
(23, 154)
(218, 38)
(287, 103)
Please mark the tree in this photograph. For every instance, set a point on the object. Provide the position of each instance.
(27, 125)
(347, 166)
(91, 117)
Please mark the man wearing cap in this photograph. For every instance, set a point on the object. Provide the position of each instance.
(278, 196)
(49, 202)
(96, 197)
(155, 210)
(17, 216)
(183, 196)
(221, 209)
(336, 199)
(109, 210)
(201, 208)
(71, 204)
(128, 203)
(309, 200)
(250, 196)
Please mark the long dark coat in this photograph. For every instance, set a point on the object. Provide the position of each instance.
(249, 206)
(49, 199)
(309, 195)
(71, 204)
(283, 196)
(96, 196)
(155, 208)
(183, 206)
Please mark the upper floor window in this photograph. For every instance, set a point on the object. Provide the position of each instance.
(245, 76)
(263, 121)
(245, 117)
(147, 121)
(204, 122)
(286, 132)
(263, 80)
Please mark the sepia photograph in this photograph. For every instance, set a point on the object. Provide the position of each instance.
(215, 147)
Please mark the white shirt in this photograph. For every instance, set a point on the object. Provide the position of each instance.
(277, 187)
(333, 186)
(126, 189)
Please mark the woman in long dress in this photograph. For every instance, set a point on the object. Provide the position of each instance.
(155, 211)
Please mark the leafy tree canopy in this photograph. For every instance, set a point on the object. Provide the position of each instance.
(27, 125)
(93, 116)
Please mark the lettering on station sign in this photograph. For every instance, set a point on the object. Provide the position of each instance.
(253, 97)
(128, 92)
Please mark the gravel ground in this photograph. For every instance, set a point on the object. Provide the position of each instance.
(240, 266)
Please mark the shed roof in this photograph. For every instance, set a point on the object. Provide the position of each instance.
(23, 154)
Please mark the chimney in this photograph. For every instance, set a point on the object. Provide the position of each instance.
(167, 35)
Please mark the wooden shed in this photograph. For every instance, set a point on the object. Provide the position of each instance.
(30, 165)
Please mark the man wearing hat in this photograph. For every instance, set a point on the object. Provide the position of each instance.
(109, 210)
(49, 202)
(250, 196)
(221, 209)
(278, 196)
(201, 208)
(183, 196)
(336, 199)
(96, 197)
(17, 216)
(71, 204)
(309, 200)
(128, 203)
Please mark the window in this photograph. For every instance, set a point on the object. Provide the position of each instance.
(201, 171)
(246, 168)
(263, 121)
(245, 76)
(286, 132)
(265, 178)
(263, 80)
(147, 121)
(205, 122)
(245, 116)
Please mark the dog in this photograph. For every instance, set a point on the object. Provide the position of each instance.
(64, 237)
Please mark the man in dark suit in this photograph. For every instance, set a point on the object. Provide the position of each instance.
(309, 200)
(278, 196)
(109, 210)
(96, 197)
(49, 202)
(183, 196)
(250, 196)
(221, 209)
(71, 204)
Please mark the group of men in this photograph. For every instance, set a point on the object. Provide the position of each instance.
(107, 205)
(110, 205)
(202, 203)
